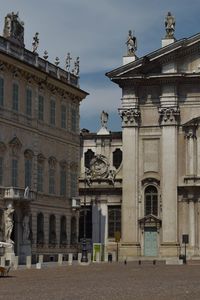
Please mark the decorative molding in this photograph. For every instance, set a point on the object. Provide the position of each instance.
(169, 115)
(15, 145)
(130, 116)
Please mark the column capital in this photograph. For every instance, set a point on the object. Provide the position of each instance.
(130, 116)
(169, 115)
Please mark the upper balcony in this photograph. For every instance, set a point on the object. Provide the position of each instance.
(18, 194)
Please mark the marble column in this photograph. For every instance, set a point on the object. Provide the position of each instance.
(130, 120)
(191, 151)
(169, 116)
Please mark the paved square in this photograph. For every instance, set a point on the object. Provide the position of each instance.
(103, 281)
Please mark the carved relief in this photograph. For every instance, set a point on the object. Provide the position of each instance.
(52, 162)
(130, 116)
(15, 145)
(169, 115)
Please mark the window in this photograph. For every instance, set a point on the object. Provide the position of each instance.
(41, 108)
(73, 184)
(28, 172)
(73, 120)
(51, 181)
(40, 229)
(15, 96)
(52, 230)
(63, 233)
(63, 178)
(88, 157)
(14, 173)
(52, 112)
(40, 177)
(1, 91)
(117, 158)
(151, 201)
(63, 116)
(114, 220)
(29, 102)
(1, 170)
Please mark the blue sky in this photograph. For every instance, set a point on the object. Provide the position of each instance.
(96, 30)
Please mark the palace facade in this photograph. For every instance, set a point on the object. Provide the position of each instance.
(39, 148)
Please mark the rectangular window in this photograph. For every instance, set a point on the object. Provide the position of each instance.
(1, 170)
(14, 173)
(15, 96)
(73, 120)
(63, 179)
(73, 185)
(63, 116)
(52, 112)
(1, 91)
(28, 172)
(29, 102)
(51, 181)
(114, 220)
(40, 178)
(41, 108)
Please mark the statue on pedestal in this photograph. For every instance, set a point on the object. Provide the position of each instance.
(8, 219)
(104, 119)
(131, 44)
(169, 25)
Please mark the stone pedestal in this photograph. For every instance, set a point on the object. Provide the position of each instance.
(10, 254)
(25, 250)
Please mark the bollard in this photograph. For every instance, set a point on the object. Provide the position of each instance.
(154, 262)
(106, 256)
(16, 262)
(70, 259)
(79, 257)
(89, 257)
(139, 262)
(60, 259)
(28, 262)
(38, 266)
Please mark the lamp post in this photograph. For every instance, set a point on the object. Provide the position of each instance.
(84, 257)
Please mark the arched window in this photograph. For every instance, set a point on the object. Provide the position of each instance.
(73, 231)
(151, 200)
(40, 229)
(52, 230)
(117, 158)
(63, 233)
(88, 156)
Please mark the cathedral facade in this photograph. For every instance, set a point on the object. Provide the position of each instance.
(159, 176)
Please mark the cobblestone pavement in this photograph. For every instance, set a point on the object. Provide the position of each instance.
(103, 281)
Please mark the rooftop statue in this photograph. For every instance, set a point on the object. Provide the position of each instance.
(169, 25)
(104, 119)
(14, 29)
(131, 44)
(35, 42)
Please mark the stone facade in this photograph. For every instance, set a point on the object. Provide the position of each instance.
(160, 120)
(39, 147)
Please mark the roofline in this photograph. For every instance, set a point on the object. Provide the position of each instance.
(154, 55)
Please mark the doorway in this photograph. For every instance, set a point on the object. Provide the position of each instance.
(150, 241)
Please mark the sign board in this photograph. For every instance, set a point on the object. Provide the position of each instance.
(97, 248)
(185, 238)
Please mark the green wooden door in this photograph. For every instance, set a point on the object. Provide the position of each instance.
(150, 241)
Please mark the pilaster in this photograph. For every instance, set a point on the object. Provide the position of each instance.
(169, 117)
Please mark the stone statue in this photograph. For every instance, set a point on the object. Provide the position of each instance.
(88, 176)
(131, 44)
(169, 25)
(104, 119)
(35, 42)
(26, 228)
(26, 192)
(8, 219)
(76, 66)
(111, 176)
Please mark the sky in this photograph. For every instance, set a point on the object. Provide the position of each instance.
(96, 31)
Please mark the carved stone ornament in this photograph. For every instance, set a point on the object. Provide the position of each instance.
(130, 116)
(15, 145)
(190, 132)
(169, 115)
(169, 26)
(52, 162)
(99, 166)
(14, 29)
